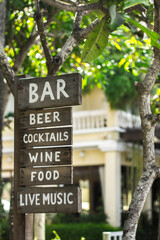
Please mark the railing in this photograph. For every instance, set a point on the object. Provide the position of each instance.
(112, 235)
(89, 119)
(127, 120)
(96, 119)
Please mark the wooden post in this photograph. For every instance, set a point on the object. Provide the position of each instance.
(19, 219)
(31, 95)
(39, 226)
(28, 226)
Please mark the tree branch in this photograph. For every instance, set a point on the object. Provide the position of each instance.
(41, 31)
(23, 52)
(78, 20)
(76, 36)
(6, 69)
(71, 7)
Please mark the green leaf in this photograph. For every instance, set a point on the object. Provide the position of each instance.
(113, 13)
(98, 12)
(131, 3)
(153, 35)
(95, 43)
(116, 19)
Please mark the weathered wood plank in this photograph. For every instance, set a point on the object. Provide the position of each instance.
(46, 175)
(52, 91)
(49, 200)
(46, 137)
(45, 156)
(46, 118)
(18, 219)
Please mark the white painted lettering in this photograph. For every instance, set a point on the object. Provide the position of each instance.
(21, 200)
(48, 175)
(56, 117)
(52, 137)
(33, 174)
(65, 136)
(68, 196)
(32, 119)
(41, 176)
(37, 202)
(35, 137)
(48, 156)
(60, 89)
(47, 91)
(40, 118)
(41, 137)
(33, 158)
(53, 198)
(59, 197)
(33, 96)
(64, 198)
(57, 156)
(30, 138)
(47, 117)
(46, 198)
(31, 198)
(55, 174)
(24, 138)
(41, 156)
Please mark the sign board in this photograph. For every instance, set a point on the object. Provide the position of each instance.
(43, 139)
(45, 156)
(46, 176)
(46, 118)
(50, 92)
(46, 137)
(49, 200)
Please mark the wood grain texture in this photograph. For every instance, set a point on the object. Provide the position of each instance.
(46, 137)
(73, 90)
(49, 200)
(46, 118)
(46, 176)
(45, 156)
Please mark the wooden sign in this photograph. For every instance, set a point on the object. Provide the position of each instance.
(49, 200)
(50, 92)
(46, 176)
(46, 137)
(45, 156)
(46, 118)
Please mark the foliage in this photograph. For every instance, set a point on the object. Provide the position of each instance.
(95, 43)
(147, 228)
(4, 228)
(131, 3)
(124, 55)
(74, 231)
(57, 237)
(98, 217)
(155, 99)
(124, 61)
(98, 38)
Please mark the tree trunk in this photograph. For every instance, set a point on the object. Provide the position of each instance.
(148, 123)
(2, 40)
